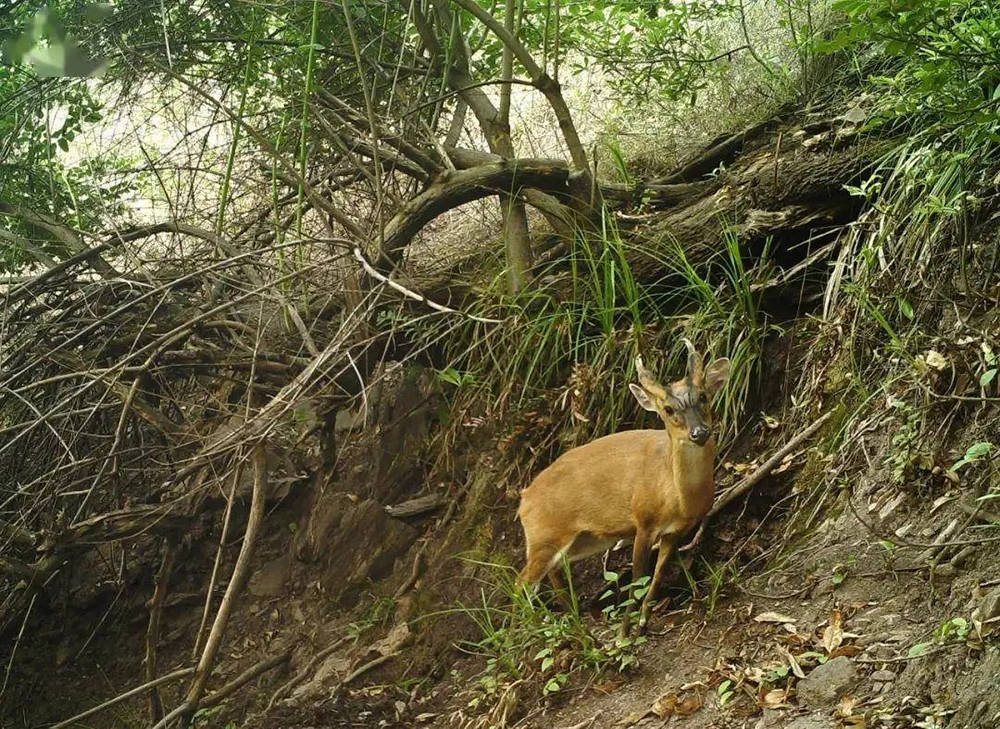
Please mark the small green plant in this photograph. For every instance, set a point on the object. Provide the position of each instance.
(522, 637)
(452, 376)
(976, 452)
(906, 453)
(841, 570)
(716, 581)
(725, 692)
(954, 630)
(990, 373)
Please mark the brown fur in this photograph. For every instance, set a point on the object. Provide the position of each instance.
(645, 485)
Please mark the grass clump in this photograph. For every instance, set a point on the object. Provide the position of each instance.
(524, 640)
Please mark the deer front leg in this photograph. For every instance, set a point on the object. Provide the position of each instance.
(666, 549)
(640, 562)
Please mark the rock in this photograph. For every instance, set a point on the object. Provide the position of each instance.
(989, 608)
(813, 721)
(363, 547)
(827, 682)
(269, 580)
(883, 676)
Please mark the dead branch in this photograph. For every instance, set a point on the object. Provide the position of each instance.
(244, 678)
(241, 571)
(415, 507)
(153, 629)
(374, 273)
(756, 477)
(361, 671)
(286, 687)
(165, 678)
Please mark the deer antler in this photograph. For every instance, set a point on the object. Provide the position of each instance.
(645, 376)
(695, 364)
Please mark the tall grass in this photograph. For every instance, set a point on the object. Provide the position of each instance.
(723, 318)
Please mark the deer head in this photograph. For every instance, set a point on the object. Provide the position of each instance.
(685, 405)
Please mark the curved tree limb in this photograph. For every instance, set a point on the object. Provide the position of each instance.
(62, 233)
(457, 188)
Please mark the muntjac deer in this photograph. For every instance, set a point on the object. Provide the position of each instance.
(646, 485)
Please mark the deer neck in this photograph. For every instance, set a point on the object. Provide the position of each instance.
(694, 474)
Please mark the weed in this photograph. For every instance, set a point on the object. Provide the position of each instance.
(906, 453)
(523, 638)
(725, 317)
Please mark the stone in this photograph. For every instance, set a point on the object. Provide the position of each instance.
(883, 676)
(363, 547)
(989, 608)
(827, 682)
(269, 580)
(813, 721)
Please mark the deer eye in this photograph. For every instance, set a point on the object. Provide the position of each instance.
(668, 410)
(703, 398)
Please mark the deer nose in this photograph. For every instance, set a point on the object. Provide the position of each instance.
(699, 434)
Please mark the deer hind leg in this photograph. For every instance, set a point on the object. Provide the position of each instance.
(545, 559)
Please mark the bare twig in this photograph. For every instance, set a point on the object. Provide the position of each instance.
(165, 678)
(153, 630)
(754, 478)
(240, 574)
(361, 671)
(246, 677)
(286, 687)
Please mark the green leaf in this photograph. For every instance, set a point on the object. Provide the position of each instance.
(610, 576)
(987, 377)
(918, 650)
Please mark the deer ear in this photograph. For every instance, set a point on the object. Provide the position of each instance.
(643, 397)
(716, 375)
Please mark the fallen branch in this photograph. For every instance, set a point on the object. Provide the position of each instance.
(236, 583)
(415, 572)
(244, 678)
(291, 683)
(415, 507)
(754, 478)
(166, 678)
(153, 629)
(372, 664)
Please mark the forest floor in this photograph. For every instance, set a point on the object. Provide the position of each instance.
(858, 588)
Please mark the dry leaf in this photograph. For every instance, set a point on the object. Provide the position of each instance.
(672, 705)
(775, 699)
(769, 617)
(855, 115)
(771, 422)
(846, 705)
(634, 718)
(665, 705)
(786, 463)
(935, 359)
(833, 635)
(792, 662)
(847, 650)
